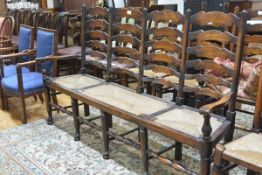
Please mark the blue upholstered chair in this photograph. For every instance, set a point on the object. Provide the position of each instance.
(24, 51)
(30, 83)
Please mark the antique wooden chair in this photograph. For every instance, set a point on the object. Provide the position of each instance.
(201, 129)
(252, 58)
(7, 27)
(26, 84)
(245, 151)
(26, 17)
(124, 44)
(162, 51)
(25, 53)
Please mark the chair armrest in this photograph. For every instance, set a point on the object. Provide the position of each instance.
(27, 52)
(28, 63)
(212, 106)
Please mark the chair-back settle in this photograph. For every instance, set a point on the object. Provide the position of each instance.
(163, 47)
(124, 40)
(46, 45)
(94, 34)
(211, 84)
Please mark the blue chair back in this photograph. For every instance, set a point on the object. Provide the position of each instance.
(25, 40)
(46, 45)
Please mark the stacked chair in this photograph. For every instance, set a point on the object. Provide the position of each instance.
(6, 28)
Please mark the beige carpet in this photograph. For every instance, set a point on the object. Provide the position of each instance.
(35, 111)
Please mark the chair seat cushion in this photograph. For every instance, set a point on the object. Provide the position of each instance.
(32, 81)
(10, 70)
(188, 121)
(248, 149)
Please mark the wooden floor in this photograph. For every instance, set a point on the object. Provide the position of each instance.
(35, 111)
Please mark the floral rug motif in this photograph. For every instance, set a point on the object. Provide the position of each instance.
(39, 149)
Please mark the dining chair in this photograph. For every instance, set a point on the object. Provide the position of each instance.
(248, 85)
(244, 151)
(26, 84)
(23, 51)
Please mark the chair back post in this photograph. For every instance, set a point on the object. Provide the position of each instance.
(142, 51)
(257, 123)
(83, 45)
(186, 28)
(237, 65)
(109, 45)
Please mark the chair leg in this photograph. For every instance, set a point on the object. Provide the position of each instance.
(178, 151)
(219, 163)
(5, 102)
(2, 99)
(48, 106)
(231, 117)
(41, 98)
(105, 134)
(75, 109)
(144, 147)
(205, 160)
(86, 109)
(159, 91)
(24, 117)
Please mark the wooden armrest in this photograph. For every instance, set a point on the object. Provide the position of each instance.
(28, 63)
(212, 106)
(20, 54)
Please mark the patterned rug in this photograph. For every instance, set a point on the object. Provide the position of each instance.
(37, 148)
